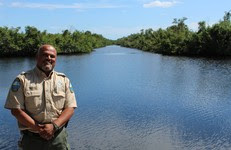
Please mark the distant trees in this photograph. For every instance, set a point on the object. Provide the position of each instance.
(13, 42)
(179, 40)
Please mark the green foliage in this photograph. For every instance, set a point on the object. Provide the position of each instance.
(14, 43)
(179, 40)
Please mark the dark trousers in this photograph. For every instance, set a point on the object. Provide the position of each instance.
(32, 141)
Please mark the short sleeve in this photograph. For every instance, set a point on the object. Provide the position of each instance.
(70, 95)
(15, 98)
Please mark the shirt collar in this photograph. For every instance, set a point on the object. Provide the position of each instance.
(41, 74)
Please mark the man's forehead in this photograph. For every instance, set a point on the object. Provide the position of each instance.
(47, 49)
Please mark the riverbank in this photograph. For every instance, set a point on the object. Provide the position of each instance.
(179, 40)
(14, 43)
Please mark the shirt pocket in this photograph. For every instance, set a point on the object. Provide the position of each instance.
(59, 99)
(33, 102)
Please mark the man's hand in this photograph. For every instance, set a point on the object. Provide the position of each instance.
(47, 131)
(38, 127)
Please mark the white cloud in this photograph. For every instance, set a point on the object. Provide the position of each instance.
(63, 6)
(157, 3)
(43, 5)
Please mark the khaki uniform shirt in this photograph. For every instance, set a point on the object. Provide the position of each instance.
(41, 97)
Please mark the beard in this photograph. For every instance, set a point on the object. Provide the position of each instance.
(47, 67)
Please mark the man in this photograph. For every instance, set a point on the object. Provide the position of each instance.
(42, 100)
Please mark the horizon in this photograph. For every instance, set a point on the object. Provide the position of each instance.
(111, 19)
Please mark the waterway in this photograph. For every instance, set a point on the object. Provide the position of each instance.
(134, 100)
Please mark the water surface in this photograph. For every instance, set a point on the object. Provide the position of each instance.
(133, 100)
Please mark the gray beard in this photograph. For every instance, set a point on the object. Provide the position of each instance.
(47, 68)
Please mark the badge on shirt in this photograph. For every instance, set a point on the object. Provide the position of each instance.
(15, 85)
(59, 85)
(71, 88)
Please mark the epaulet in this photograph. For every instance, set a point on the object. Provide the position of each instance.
(61, 74)
(22, 73)
(27, 72)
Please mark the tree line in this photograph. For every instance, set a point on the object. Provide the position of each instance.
(13, 42)
(178, 39)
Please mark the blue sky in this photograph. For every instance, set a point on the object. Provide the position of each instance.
(111, 18)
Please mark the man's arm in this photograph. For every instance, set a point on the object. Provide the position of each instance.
(64, 117)
(25, 119)
(49, 131)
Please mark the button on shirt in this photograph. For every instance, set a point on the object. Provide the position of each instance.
(43, 98)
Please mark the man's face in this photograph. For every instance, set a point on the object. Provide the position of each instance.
(46, 58)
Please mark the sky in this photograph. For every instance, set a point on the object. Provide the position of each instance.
(111, 18)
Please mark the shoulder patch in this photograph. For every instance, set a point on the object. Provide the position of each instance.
(15, 85)
(71, 88)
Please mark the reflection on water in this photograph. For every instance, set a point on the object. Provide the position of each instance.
(129, 99)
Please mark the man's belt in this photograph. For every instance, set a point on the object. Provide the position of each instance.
(29, 133)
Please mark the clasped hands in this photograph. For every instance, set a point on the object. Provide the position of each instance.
(46, 131)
